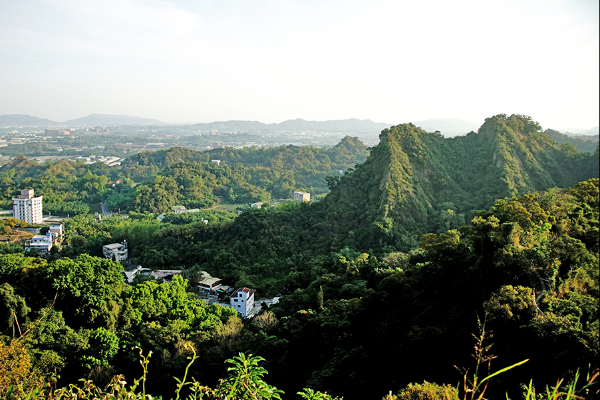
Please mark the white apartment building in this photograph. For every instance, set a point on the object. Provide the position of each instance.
(28, 208)
(242, 300)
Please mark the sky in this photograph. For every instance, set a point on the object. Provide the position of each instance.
(272, 60)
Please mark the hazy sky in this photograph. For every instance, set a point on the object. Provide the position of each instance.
(388, 61)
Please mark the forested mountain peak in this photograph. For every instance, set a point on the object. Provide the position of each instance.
(415, 182)
(21, 165)
(350, 142)
(339, 266)
(515, 124)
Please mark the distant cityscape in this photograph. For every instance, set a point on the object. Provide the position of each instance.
(111, 145)
(120, 136)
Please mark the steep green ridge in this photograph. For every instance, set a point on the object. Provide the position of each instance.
(411, 184)
(290, 157)
(415, 182)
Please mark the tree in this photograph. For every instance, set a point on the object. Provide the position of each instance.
(95, 282)
(245, 380)
(12, 306)
(17, 370)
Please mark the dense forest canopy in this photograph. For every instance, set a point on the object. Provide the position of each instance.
(156, 181)
(383, 281)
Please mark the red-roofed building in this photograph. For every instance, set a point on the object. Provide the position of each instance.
(242, 300)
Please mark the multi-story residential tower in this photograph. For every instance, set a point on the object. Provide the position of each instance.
(242, 300)
(28, 208)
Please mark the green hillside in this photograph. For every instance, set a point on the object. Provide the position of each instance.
(582, 143)
(416, 182)
(526, 267)
(411, 184)
(382, 283)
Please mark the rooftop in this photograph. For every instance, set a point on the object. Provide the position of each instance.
(113, 246)
(165, 273)
(209, 281)
(250, 292)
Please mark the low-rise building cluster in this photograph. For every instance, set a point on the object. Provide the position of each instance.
(43, 243)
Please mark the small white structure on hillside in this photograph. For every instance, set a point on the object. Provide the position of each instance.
(302, 196)
(242, 300)
(166, 275)
(58, 229)
(116, 251)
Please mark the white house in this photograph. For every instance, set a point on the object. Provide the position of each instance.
(242, 300)
(178, 209)
(116, 251)
(57, 228)
(130, 274)
(41, 243)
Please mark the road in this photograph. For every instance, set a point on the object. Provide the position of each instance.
(105, 211)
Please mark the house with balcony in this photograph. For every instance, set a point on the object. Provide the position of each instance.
(41, 243)
(116, 251)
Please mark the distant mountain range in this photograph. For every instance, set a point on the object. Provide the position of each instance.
(23, 120)
(297, 125)
(90, 120)
(582, 132)
(113, 120)
(448, 127)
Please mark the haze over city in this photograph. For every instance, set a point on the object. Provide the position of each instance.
(388, 61)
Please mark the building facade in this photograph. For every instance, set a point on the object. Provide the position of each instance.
(41, 243)
(59, 229)
(302, 196)
(242, 300)
(27, 207)
(116, 251)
